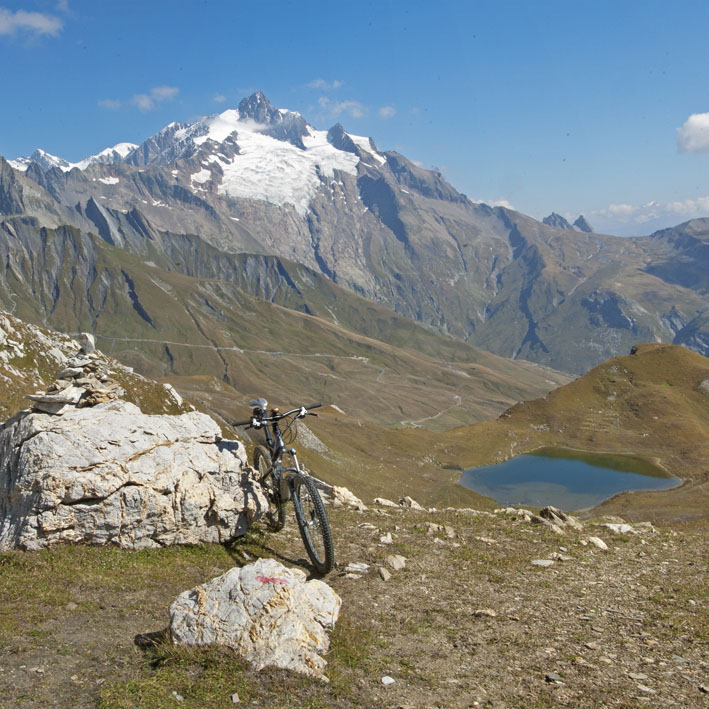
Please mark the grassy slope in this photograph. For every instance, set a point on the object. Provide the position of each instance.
(222, 346)
(647, 404)
(259, 348)
(167, 324)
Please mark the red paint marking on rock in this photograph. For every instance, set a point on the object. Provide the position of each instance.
(271, 579)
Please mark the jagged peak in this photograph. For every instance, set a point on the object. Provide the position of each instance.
(338, 137)
(556, 220)
(47, 161)
(581, 224)
(258, 108)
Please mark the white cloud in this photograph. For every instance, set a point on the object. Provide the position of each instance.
(654, 209)
(633, 219)
(163, 93)
(693, 135)
(335, 108)
(110, 104)
(220, 98)
(324, 85)
(143, 101)
(63, 5)
(148, 102)
(38, 23)
(387, 111)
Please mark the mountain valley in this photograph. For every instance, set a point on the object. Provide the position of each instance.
(449, 601)
(354, 356)
(260, 180)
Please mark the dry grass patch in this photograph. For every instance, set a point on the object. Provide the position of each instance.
(593, 620)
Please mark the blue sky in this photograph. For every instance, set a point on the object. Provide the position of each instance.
(598, 107)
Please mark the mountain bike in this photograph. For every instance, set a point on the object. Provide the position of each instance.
(290, 483)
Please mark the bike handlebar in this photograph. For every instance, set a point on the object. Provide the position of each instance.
(279, 416)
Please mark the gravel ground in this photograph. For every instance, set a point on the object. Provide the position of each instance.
(469, 621)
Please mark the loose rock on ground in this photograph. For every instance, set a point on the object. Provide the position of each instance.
(266, 612)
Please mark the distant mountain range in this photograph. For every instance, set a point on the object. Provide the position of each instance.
(198, 198)
(556, 220)
(46, 161)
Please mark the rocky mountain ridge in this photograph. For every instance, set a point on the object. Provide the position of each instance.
(262, 180)
(238, 311)
(559, 222)
(46, 161)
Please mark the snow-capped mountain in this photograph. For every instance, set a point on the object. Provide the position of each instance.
(46, 161)
(253, 152)
(261, 180)
(42, 159)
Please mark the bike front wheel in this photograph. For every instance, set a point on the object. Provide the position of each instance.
(313, 524)
(276, 513)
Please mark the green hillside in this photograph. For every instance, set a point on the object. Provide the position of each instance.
(653, 404)
(223, 345)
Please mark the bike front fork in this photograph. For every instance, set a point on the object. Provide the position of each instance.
(285, 487)
(285, 480)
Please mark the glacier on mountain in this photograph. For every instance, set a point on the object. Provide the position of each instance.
(267, 168)
(278, 172)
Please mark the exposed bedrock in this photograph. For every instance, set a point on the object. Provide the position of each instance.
(111, 474)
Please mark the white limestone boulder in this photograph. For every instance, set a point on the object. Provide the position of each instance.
(269, 614)
(111, 474)
(343, 497)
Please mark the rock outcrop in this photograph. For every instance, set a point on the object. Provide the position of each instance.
(556, 220)
(110, 474)
(266, 612)
(581, 224)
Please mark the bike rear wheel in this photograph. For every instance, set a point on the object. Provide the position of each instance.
(276, 513)
(313, 524)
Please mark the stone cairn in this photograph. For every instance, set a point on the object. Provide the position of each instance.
(84, 381)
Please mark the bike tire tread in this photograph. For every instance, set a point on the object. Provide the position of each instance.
(322, 566)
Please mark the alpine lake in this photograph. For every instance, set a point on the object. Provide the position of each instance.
(567, 479)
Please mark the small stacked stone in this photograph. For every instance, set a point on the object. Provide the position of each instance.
(84, 381)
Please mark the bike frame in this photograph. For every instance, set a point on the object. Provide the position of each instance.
(274, 441)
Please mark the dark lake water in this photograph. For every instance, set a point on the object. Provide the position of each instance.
(570, 480)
